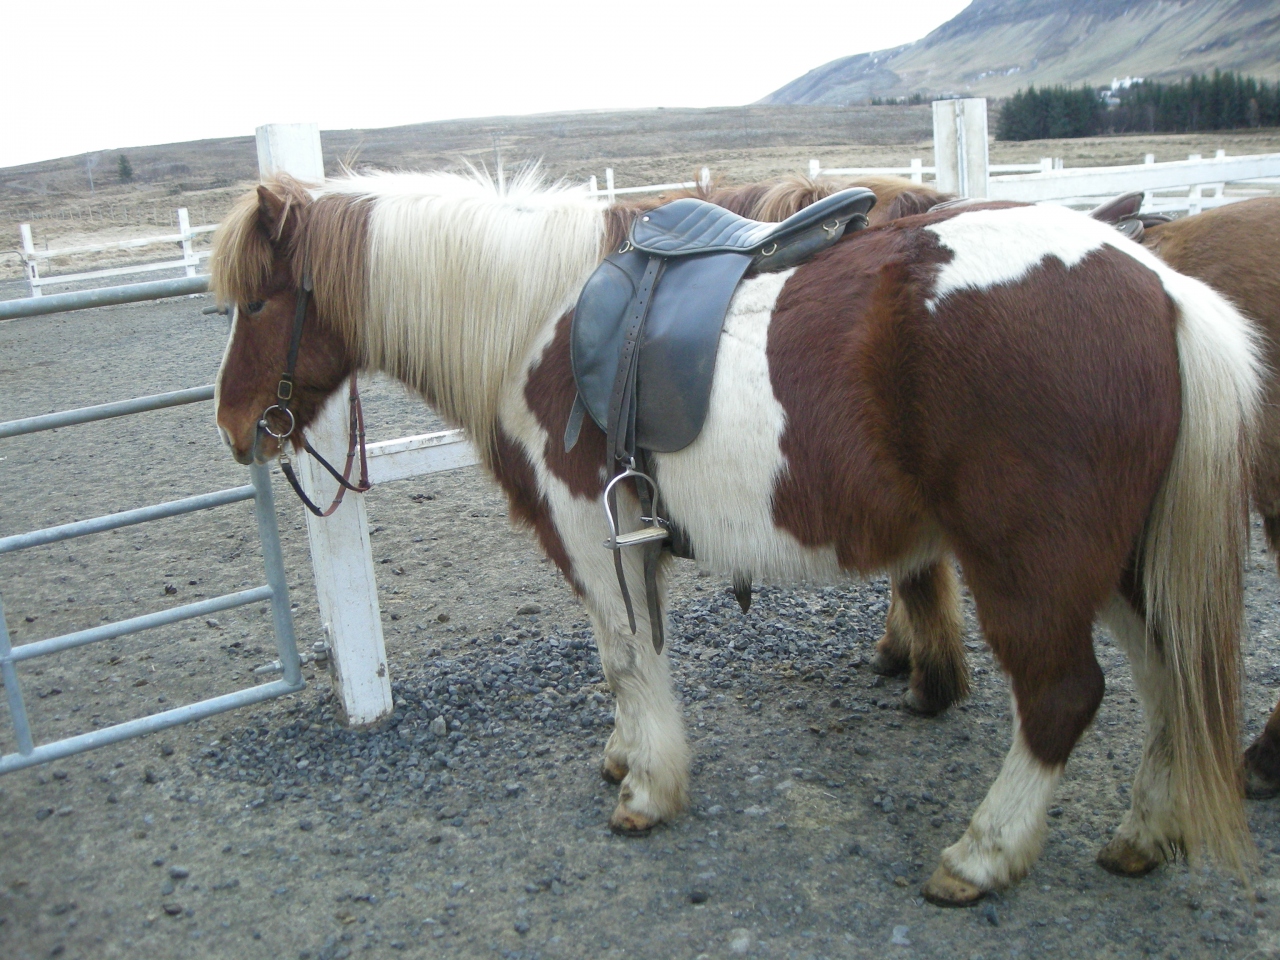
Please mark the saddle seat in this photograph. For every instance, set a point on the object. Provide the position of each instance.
(690, 226)
(647, 324)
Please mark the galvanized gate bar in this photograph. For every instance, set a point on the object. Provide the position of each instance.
(102, 297)
(109, 631)
(157, 721)
(276, 591)
(127, 518)
(17, 709)
(104, 411)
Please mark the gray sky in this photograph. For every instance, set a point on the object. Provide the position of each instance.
(99, 76)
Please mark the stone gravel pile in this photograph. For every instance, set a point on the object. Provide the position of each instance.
(484, 713)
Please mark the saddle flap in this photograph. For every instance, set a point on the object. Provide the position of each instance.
(598, 331)
(678, 344)
(691, 226)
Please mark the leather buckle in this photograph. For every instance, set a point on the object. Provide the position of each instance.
(285, 389)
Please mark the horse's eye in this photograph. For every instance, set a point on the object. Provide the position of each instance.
(255, 306)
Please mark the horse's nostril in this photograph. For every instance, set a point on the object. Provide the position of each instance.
(226, 437)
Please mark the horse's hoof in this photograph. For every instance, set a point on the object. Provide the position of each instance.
(945, 889)
(613, 771)
(629, 823)
(887, 664)
(1258, 786)
(912, 702)
(1125, 860)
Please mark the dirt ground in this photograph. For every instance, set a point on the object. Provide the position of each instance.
(818, 805)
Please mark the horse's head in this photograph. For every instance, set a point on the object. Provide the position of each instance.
(261, 254)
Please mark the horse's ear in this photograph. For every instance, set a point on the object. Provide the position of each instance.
(271, 213)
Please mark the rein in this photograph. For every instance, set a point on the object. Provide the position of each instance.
(284, 396)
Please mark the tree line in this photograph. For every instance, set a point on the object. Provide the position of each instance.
(1224, 101)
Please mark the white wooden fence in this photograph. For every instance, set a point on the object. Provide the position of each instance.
(185, 237)
(961, 166)
(611, 193)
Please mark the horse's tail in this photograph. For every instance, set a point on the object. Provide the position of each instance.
(1192, 560)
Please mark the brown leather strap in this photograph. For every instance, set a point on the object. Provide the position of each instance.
(355, 432)
(621, 433)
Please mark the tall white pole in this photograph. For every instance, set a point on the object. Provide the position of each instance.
(341, 558)
(960, 146)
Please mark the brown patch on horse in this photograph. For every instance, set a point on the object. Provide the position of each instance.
(528, 507)
(917, 418)
(550, 391)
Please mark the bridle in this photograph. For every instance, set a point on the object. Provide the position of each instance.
(284, 396)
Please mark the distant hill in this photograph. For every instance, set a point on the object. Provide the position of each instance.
(994, 47)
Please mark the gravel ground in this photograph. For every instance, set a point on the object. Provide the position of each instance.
(473, 822)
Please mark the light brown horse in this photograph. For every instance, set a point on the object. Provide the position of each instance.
(1018, 388)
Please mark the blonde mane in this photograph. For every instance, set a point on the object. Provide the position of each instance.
(441, 280)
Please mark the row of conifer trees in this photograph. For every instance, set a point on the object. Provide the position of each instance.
(1223, 101)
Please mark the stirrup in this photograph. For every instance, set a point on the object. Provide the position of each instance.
(654, 528)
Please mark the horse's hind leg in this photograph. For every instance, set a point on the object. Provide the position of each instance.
(929, 605)
(1149, 831)
(924, 634)
(1057, 686)
(893, 650)
(1262, 759)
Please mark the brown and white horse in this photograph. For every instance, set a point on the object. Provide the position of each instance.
(1020, 388)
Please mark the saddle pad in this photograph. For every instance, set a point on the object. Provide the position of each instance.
(677, 348)
(690, 226)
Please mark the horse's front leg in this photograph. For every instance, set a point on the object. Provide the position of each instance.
(647, 753)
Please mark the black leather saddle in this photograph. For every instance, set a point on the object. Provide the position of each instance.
(645, 335)
(647, 324)
(1124, 213)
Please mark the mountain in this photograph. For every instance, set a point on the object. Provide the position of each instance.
(994, 47)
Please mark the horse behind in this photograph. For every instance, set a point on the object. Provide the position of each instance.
(1020, 388)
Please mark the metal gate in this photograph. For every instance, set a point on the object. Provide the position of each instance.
(274, 590)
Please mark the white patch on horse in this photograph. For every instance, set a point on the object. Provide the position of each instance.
(648, 737)
(217, 383)
(1007, 830)
(720, 488)
(994, 247)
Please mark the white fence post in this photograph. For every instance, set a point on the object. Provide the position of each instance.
(815, 168)
(29, 258)
(608, 184)
(591, 186)
(960, 146)
(704, 178)
(188, 254)
(917, 170)
(341, 558)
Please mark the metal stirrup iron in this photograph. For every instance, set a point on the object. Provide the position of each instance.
(649, 537)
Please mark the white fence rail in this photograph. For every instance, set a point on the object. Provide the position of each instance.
(961, 166)
(185, 238)
(611, 193)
